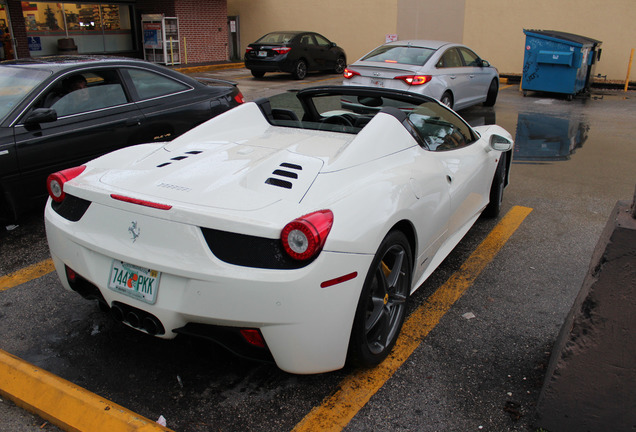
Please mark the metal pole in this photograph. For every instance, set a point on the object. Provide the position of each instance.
(185, 50)
(629, 69)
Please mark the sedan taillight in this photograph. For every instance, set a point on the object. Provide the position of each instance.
(348, 73)
(414, 79)
(239, 98)
(282, 50)
(248, 50)
(55, 182)
(304, 237)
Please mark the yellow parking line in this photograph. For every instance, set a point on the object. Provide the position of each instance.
(26, 274)
(356, 390)
(64, 404)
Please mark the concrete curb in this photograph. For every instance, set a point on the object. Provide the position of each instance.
(64, 404)
(205, 68)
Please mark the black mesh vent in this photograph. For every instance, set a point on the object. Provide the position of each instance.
(278, 182)
(292, 166)
(286, 173)
(250, 251)
(72, 208)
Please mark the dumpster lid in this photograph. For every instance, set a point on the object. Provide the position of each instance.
(565, 36)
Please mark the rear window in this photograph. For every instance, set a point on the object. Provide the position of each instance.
(151, 85)
(401, 54)
(277, 38)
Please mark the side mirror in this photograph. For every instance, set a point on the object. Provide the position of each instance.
(40, 115)
(333, 44)
(500, 143)
(485, 63)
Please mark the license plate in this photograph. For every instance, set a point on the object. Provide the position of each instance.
(262, 53)
(136, 282)
(377, 82)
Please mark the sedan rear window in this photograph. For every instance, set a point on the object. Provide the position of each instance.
(402, 54)
(15, 84)
(276, 38)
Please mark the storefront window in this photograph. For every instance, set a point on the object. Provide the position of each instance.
(95, 28)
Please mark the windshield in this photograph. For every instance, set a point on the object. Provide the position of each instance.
(276, 38)
(15, 84)
(401, 54)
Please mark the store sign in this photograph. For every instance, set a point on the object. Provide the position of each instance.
(35, 44)
(152, 35)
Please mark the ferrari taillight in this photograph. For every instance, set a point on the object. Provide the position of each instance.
(414, 79)
(304, 237)
(348, 73)
(55, 182)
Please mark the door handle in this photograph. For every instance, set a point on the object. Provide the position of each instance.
(449, 179)
(133, 122)
(452, 77)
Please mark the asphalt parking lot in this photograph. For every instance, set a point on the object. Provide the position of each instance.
(481, 365)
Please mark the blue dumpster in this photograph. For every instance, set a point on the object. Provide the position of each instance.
(558, 62)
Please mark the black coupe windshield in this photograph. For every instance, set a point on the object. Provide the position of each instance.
(15, 84)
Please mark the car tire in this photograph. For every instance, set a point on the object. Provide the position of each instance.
(300, 70)
(258, 74)
(493, 90)
(493, 208)
(341, 64)
(383, 302)
(447, 99)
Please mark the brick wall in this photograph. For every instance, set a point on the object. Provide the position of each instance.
(19, 28)
(203, 26)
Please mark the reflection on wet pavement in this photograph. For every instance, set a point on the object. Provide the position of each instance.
(542, 137)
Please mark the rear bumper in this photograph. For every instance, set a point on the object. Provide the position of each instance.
(306, 327)
(275, 64)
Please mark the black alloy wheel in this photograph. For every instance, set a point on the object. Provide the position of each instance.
(493, 90)
(341, 64)
(447, 99)
(382, 306)
(493, 208)
(300, 70)
(257, 74)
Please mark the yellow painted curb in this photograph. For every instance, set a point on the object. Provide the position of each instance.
(26, 274)
(205, 68)
(64, 404)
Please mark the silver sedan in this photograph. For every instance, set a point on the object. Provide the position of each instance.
(449, 72)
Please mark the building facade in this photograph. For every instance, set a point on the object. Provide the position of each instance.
(39, 28)
(219, 30)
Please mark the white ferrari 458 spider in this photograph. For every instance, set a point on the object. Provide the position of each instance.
(292, 228)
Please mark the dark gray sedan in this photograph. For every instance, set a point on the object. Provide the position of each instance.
(296, 52)
(59, 112)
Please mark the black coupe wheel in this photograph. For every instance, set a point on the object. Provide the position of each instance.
(382, 305)
(341, 64)
(493, 208)
(493, 90)
(300, 70)
(258, 74)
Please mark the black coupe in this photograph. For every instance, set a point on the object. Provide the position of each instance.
(58, 112)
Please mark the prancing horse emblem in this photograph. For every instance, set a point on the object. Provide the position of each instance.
(134, 230)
